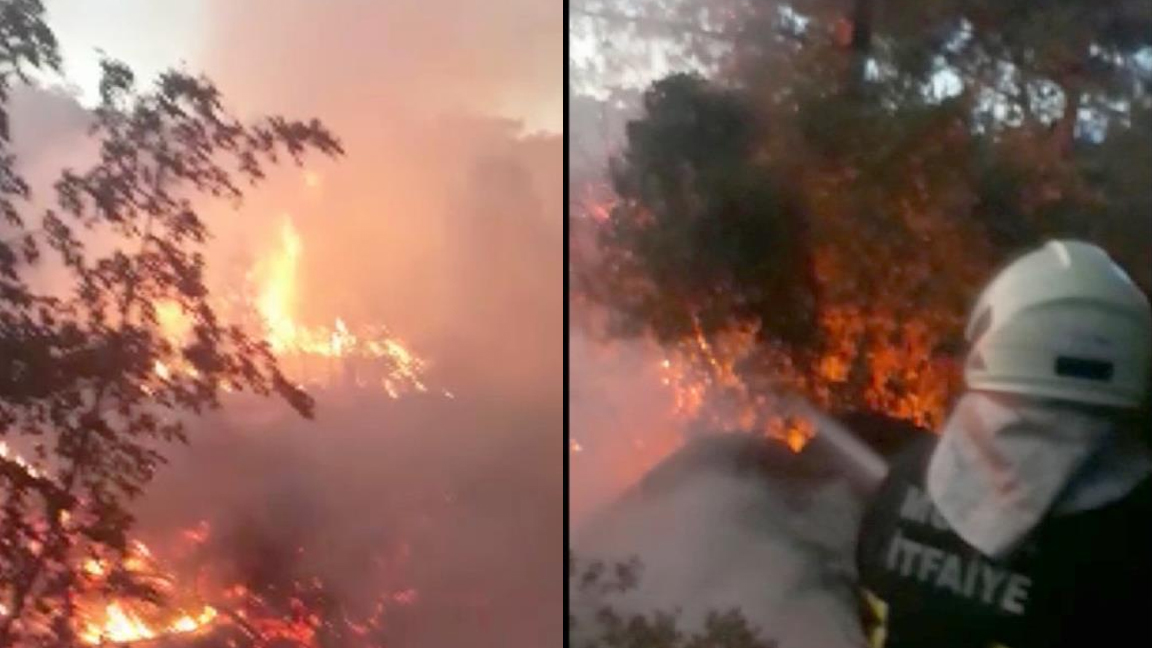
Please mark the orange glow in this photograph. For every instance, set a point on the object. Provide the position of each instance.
(405, 597)
(792, 432)
(397, 370)
(120, 625)
(368, 356)
(198, 535)
(117, 626)
(312, 179)
(188, 623)
(209, 606)
(172, 321)
(94, 567)
(115, 621)
(276, 300)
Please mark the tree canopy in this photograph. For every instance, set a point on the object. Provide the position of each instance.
(841, 176)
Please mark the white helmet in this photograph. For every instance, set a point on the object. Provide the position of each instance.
(1062, 322)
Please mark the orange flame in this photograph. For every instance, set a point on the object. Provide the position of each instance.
(120, 625)
(313, 354)
(277, 303)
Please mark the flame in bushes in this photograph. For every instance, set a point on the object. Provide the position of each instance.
(321, 355)
(318, 356)
(119, 625)
(124, 621)
(881, 356)
(194, 604)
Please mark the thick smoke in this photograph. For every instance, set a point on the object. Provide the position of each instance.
(443, 222)
(377, 498)
(716, 541)
(392, 64)
(621, 419)
(48, 133)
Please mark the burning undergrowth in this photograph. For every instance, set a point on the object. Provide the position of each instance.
(338, 537)
(368, 529)
(404, 504)
(427, 489)
(414, 290)
(365, 528)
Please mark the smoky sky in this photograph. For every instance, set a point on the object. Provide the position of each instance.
(393, 61)
(439, 195)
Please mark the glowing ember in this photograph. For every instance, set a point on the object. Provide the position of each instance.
(103, 621)
(120, 625)
(94, 567)
(191, 624)
(194, 601)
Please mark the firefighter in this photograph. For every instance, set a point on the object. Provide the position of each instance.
(1027, 522)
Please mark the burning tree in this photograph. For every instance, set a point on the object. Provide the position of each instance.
(837, 178)
(91, 386)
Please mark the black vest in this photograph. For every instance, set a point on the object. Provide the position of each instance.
(1076, 581)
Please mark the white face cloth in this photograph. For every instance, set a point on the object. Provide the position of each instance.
(1003, 462)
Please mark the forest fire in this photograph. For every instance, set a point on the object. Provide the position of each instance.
(194, 599)
(704, 392)
(206, 338)
(121, 626)
(879, 358)
(319, 355)
(192, 603)
(314, 356)
(194, 609)
(688, 392)
(125, 621)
